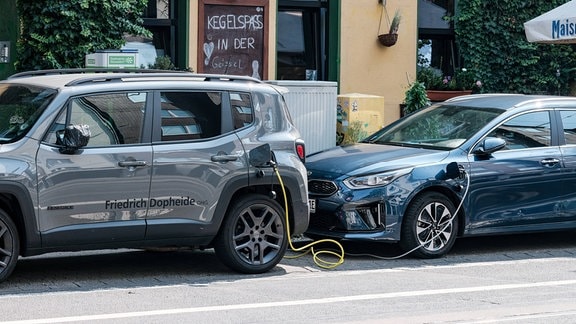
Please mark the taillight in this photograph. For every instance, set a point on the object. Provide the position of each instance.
(301, 150)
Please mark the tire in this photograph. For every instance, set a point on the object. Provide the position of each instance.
(429, 227)
(9, 246)
(253, 236)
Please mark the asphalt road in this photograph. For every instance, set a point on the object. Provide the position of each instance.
(512, 279)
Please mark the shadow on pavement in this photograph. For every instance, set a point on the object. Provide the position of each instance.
(374, 255)
(124, 269)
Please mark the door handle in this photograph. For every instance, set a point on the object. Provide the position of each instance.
(223, 157)
(132, 164)
(550, 162)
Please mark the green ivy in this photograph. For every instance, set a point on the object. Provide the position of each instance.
(59, 33)
(492, 41)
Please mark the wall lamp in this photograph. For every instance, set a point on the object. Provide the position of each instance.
(4, 52)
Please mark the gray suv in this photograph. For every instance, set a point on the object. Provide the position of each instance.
(92, 159)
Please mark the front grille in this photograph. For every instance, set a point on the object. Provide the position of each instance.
(322, 221)
(322, 187)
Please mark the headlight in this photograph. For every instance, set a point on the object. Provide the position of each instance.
(375, 180)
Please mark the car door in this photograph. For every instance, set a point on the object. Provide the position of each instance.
(567, 214)
(98, 194)
(518, 188)
(198, 161)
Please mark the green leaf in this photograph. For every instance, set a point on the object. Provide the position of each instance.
(59, 33)
(491, 39)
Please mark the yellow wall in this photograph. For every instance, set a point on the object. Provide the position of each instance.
(193, 36)
(370, 68)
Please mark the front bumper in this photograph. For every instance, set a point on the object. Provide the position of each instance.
(341, 217)
(381, 235)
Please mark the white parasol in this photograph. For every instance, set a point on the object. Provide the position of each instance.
(555, 26)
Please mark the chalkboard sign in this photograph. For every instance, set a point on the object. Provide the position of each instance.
(233, 37)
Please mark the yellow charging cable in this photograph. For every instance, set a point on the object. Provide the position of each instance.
(309, 248)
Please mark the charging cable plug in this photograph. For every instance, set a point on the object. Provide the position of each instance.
(273, 165)
(462, 171)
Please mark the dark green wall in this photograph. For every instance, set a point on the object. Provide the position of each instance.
(183, 8)
(334, 43)
(8, 32)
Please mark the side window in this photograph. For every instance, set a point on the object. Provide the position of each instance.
(273, 109)
(242, 112)
(113, 119)
(569, 125)
(525, 131)
(190, 115)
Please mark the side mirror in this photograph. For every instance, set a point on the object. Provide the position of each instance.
(489, 145)
(73, 138)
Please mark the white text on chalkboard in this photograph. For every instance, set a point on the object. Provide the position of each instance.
(230, 21)
(224, 63)
(239, 43)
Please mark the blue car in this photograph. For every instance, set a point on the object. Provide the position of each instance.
(474, 165)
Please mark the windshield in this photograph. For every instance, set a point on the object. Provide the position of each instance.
(440, 127)
(20, 106)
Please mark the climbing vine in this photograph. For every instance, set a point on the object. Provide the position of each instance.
(491, 39)
(59, 33)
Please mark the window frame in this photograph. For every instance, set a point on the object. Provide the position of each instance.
(554, 138)
(560, 121)
(226, 116)
(65, 113)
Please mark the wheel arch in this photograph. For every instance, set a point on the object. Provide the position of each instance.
(264, 190)
(15, 200)
(452, 196)
(267, 185)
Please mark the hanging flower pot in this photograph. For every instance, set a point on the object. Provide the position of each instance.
(388, 39)
(391, 37)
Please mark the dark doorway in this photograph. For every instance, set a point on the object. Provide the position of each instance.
(437, 46)
(303, 40)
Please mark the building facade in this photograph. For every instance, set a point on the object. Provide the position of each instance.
(323, 40)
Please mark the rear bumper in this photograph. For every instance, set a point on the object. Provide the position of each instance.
(301, 217)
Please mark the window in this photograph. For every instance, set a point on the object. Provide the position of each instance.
(274, 111)
(113, 119)
(161, 19)
(190, 115)
(241, 109)
(436, 41)
(302, 43)
(525, 131)
(569, 125)
(20, 107)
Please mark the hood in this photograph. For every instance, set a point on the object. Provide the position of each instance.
(356, 159)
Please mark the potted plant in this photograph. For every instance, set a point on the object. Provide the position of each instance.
(162, 63)
(415, 98)
(391, 37)
(440, 87)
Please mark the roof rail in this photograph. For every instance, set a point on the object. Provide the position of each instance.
(155, 76)
(110, 75)
(82, 70)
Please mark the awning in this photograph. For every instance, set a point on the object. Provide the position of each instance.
(431, 16)
(555, 26)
